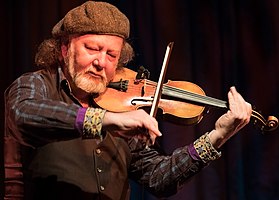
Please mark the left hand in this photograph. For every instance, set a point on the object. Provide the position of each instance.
(230, 123)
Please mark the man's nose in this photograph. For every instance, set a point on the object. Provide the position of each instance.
(99, 61)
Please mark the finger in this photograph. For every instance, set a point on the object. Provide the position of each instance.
(238, 97)
(153, 134)
(240, 107)
(245, 108)
(153, 137)
(249, 112)
(155, 127)
(142, 137)
(237, 103)
(151, 124)
(149, 133)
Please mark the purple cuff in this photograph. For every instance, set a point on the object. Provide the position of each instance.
(193, 153)
(80, 119)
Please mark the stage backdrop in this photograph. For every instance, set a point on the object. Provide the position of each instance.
(217, 44)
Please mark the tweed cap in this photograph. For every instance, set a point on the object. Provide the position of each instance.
(93, 17)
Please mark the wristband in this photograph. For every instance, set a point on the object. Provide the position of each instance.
(92, 124)
(205, 149)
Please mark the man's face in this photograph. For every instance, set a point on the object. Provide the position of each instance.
(91, 61)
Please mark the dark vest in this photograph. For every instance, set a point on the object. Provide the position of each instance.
(94, 168)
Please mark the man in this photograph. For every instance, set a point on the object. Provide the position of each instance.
(66, 147)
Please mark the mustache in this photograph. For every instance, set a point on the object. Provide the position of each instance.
(99, 76)
(90, 72)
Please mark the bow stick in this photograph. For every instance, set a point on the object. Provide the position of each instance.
(158, 91)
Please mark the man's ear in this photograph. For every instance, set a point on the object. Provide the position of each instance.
(64, 50)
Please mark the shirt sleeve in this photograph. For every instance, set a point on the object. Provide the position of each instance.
(164, 175)
(33, 117)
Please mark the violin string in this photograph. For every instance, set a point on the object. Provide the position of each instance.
(197, 97)
(192, 96)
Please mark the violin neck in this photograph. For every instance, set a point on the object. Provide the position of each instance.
(193, 97)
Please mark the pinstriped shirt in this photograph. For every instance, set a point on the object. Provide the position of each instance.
(40, 110)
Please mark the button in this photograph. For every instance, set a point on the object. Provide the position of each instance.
(102, 188)
(99, 170)
(98, 151)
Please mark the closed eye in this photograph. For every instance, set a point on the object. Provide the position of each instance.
(112, 55)
(91, 48)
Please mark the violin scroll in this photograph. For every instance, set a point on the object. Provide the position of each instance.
(269, 124)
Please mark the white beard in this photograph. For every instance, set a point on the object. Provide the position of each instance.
(88, 84)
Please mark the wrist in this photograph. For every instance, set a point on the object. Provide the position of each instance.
(216, 139)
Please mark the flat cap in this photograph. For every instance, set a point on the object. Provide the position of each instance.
(93, 17)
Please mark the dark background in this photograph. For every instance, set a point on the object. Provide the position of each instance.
(217, 44)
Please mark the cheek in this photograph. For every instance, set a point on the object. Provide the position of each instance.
(110, 73)
(82, 63)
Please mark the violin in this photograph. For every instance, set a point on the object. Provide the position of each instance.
(182, 102)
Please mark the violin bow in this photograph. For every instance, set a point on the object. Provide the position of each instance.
(158, 91)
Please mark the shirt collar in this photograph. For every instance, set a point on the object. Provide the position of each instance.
(64, 83)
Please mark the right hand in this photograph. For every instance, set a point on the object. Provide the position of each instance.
(132, 123)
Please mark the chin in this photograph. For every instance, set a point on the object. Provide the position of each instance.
(93, 89)
(90, 86)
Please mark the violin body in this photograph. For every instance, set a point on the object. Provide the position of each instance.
(139, 95)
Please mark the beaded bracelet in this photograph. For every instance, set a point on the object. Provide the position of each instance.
(205, 149)
(92, 124)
